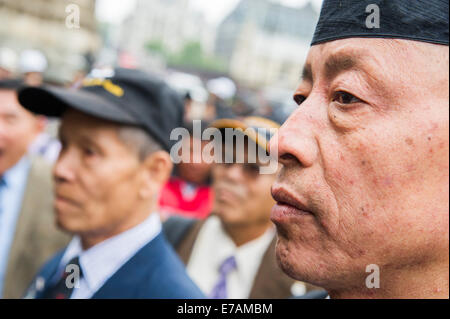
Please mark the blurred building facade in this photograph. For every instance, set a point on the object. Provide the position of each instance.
(41, 24)
(172, 23)
(265, 42)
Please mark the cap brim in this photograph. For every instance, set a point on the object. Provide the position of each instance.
(261, 141)
(53, 102)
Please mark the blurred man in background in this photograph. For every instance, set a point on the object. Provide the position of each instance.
(32, 65)
(28, 234)
(188, 192)
(113, 163)
(363, 196)
(232, 253)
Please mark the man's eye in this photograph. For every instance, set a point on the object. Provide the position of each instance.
(299, 99)
(89, 151)
(345, 98)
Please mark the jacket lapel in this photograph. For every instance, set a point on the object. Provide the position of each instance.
(44, 278)
(125, 282)
(270, 280)
(186, 245)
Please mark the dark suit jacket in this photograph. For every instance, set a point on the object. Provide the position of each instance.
(154, 271)
(36, 237)
(270, 281)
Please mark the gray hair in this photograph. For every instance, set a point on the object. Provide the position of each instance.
(139, 140)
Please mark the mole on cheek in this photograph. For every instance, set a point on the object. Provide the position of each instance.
(364, 212)
(409, 141)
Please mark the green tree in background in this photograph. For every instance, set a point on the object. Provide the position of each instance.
(157, 46)
(191, 55)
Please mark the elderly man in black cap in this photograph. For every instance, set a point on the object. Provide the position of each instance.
(113, 162)
(363, 196)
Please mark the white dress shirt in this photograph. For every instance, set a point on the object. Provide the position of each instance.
(213, 246)
(101, 261)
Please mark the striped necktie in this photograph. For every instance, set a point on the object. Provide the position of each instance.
(220, 289)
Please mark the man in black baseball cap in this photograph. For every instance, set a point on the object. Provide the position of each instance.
(363, 195)
(114, 160)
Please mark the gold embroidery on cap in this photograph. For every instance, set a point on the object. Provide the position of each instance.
(107, 85)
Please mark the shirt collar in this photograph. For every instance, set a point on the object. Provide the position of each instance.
(253, 250)
(101, 261)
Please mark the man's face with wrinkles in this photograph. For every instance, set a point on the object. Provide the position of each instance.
(365, 158)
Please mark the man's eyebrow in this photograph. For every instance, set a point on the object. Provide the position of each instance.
(334, 65)
(337, 64)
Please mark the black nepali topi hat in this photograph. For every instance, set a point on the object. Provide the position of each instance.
(420, 20)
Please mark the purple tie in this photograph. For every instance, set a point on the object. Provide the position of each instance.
(220, 289)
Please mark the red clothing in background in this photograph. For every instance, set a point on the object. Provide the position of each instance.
(182, 198)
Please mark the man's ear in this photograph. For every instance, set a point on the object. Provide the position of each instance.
(157, 169)
(41, 123)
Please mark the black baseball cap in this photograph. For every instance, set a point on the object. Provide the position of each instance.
(125, 96)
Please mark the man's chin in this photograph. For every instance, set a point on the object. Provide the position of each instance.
(62, 226)
(297, 264)
(228, 216)
(286, 260)
(66, 225)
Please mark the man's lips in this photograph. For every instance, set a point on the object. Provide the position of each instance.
(59, 199)
(287, 205)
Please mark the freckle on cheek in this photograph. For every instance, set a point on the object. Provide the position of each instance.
(409, 141)
(364, 212)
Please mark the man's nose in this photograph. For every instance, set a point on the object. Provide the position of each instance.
(64, 169)
(295, 142)
(233, 172)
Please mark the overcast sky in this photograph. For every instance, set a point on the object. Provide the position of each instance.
(114, 11)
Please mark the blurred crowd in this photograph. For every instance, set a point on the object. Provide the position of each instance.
(215, 217)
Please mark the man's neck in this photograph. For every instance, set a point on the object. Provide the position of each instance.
(242, 234)
(407, 283)
(89, 240)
